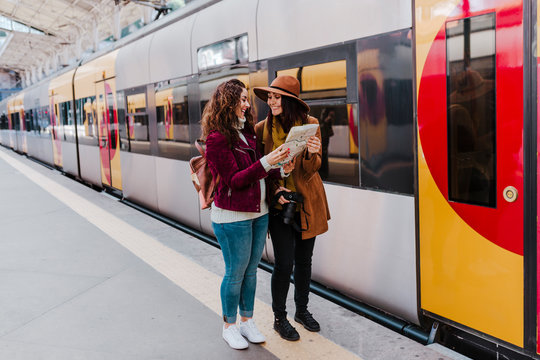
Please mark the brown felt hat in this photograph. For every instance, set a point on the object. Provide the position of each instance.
(284, 85)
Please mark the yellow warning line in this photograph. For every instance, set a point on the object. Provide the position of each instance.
(193, 278)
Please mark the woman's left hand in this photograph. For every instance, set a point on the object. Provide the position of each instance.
(313, 144)
(288, 167)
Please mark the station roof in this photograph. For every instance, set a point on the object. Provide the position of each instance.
(46, 34)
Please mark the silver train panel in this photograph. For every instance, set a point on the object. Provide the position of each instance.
(206, 223)
(219, 17)
(33, 146)
(12, 139)
(21, 141)
(44, 93)
(69, 158)
(45, 152)
(4, 137)
(139, 179)
(132, 64)
(169, 51)
(174, 197)
(90, 164)
(369, 251)
(303, 25)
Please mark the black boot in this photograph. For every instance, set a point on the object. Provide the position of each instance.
(306, 319)
(285, 329)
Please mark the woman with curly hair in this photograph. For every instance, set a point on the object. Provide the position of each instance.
(240, 212)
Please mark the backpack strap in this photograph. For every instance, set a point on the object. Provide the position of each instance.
(198, 143)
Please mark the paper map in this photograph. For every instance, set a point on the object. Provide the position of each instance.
(297, 140)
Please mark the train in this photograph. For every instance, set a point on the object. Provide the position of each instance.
(431, 165)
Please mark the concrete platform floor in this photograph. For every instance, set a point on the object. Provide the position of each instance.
(83, 276)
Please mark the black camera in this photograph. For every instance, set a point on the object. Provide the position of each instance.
(290, 208)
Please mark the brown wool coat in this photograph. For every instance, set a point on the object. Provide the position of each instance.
(315, 214)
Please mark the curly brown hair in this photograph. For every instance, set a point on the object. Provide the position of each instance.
(220, 112)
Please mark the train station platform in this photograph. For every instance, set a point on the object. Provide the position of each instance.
(83, 276)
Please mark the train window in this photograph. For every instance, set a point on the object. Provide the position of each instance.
(136, 124)
(321, 81)
(44, 122)
(28, 119)
(3, 122)
(324, 87)
(172, 122)
(87, 130)
(385, 112)
(470, 48)
(35, 121)
(339, 142)
(67, 122)
(15, 121)
(226, 52)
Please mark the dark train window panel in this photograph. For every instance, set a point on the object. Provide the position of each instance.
(173, 122)
(136, 124)
(86, 117)
(471, 118)
(385, 112)
(339, 134)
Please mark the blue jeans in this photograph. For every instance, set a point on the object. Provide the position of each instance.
(242, 244)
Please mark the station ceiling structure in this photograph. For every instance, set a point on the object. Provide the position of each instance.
(39, 37)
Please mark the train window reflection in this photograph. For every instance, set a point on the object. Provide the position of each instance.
(339, 134)
(137, 124)
(226, 52)
(471, 110)
(324, 87)
(173, 122)
(321, 81)
(386, 112)
(29, 120)
(86, 111)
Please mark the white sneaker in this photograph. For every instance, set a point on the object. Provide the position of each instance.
(232, 336)
(250, 331)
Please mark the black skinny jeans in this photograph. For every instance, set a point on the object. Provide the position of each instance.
(290, 251)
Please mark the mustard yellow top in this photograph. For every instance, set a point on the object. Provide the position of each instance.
(278, 138)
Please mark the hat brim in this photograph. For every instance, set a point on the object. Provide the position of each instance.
(473, 94)
(262, 93)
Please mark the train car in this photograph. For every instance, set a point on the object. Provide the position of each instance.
(476, 167)
(17, 133)
(429, 130)
(97, 122)
(4, 123)
(38, 129)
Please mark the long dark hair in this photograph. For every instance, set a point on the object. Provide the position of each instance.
(292, 110)
(220, 112)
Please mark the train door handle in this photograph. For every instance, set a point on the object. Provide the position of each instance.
(510, 193)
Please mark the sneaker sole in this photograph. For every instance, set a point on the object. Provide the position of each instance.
(287, 338)
(236, 348)
(305, 327)
(256, 342)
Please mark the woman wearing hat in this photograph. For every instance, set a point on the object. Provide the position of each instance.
(292, 249)
(239, 211)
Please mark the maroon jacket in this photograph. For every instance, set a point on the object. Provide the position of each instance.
(240, 171)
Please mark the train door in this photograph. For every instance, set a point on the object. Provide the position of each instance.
(55, 127)
(469, 63)
(108, 130)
